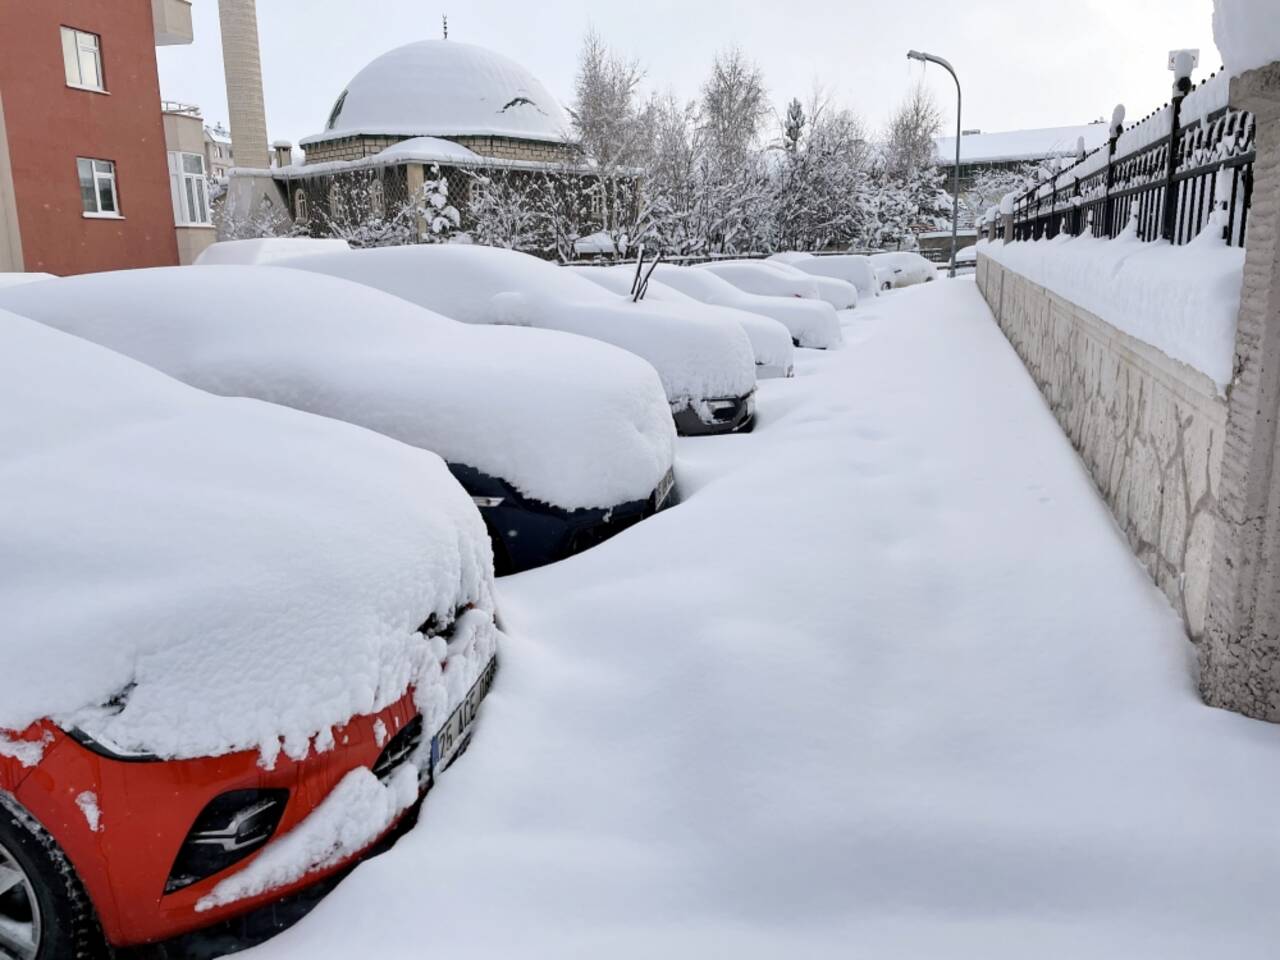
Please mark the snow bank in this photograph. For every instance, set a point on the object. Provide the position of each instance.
(188, 575)
(812, 323)
(485, 285)
(566, 420)
(1181, 300)
(770, 340)
(266, 250)
(887, 685)
(1247, 34)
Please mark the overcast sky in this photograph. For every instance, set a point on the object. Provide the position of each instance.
(1023, 63)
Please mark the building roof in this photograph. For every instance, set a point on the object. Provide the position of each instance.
(442, 88)
(1014, 145)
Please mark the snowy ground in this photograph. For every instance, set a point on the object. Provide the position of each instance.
(887, 684)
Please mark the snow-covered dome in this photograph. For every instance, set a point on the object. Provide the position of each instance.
(443, 88)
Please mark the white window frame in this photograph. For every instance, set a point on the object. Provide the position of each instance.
(190, 191)
(77, 45)
(101, 171)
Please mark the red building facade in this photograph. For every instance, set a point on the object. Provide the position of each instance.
(84, 176)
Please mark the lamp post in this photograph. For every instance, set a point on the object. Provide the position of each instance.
(955, 188)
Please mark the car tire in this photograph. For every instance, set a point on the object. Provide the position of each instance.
(68, 927)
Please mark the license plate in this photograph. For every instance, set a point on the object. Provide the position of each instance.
(664, 489)
(452, 738)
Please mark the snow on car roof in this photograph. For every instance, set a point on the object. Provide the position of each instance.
(15, 279)
(770, 340)
(227, 573)
(265, 250)
(443, 88)
(566, 420)
(475, 284)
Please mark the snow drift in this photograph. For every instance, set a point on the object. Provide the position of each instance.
(566, 420)
(189, 575)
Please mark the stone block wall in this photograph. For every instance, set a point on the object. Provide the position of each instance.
(1149, 429)
(501, 148)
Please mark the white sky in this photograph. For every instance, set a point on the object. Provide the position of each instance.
(1023, 63)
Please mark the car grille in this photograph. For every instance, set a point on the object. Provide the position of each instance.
(399, 749)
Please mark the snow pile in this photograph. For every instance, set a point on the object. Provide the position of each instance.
(265, 250)
(1181, 300)
(888, 684)
(1247, 34)
(838, 292)
(695, 359)
(443, 88)
(1211, 95)
(431, 149)
(188, 575)
(565, 420)
(770, 340)
(812, 323)
(357, 811)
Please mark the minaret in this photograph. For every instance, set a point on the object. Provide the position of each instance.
(243, 68)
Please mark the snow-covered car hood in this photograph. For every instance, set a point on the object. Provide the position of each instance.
(569, 421)
(905, 268)
(695, 359)
(851, 267)
(770, 340)
(812, 323)
(226, 574)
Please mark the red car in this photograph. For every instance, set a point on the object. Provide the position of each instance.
(103, 841)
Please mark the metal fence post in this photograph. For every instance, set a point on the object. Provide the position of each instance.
(1169, 217)
(1108, 204)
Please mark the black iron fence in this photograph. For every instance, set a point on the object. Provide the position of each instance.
(1164, 175)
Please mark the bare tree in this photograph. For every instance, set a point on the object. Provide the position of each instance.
(910, 139)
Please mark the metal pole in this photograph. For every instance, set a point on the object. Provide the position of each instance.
(955, 180)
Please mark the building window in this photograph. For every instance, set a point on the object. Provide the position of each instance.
(98, 187)
(82, 59)
(190, 189)
(300, 211)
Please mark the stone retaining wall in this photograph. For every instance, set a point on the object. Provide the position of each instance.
(1149, 429)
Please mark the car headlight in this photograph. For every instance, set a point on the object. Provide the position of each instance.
(230, 828)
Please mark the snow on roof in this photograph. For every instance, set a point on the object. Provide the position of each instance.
(443, 88)
(511, 403)
(1013, 145)
(429, 149)
(231, 572)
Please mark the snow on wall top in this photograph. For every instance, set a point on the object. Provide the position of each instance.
(1012, 145)
(1247, 33)
(566, 420)
(157, 545)
(444, 88)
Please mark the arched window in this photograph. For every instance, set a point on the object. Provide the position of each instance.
(377, 199)
(301, 213)
(337, 203)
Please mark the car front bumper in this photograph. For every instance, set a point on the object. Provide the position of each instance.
(703, 418)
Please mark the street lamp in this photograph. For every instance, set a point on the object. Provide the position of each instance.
(955, 188)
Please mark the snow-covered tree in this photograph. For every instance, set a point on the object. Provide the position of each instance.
(264, 219)
(503, 210)
(360, 211)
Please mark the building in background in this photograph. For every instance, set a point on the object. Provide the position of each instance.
(86, 181)
(218, 155)
(189, 185)
(1013, 150)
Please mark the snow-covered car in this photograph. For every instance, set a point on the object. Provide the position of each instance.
(705, 363)
(16, 279)
(902, 269)
(562, 441)
(265, 250)
(770, 340)
(240, 642)
(812, 323)
(851, 267)
(967, 259)
(774, 279)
